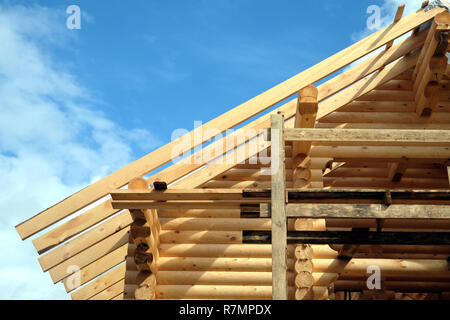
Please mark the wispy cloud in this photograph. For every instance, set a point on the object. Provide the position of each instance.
(388, 10)
(54, 140)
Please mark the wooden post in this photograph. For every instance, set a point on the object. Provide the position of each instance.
(278, 212)
(307, 107)
(432, 66)
(145, 235)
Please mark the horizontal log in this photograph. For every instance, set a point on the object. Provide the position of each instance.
(215, 224)
(215, 292)
(174, 236)
(218, 278)
(199, 213)
(218, 264)
(236, 250)
(392, 269)
(314, 293)
(381, 137)
(400, 286)
(367, 211)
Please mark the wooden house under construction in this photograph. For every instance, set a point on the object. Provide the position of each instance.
(335, 189)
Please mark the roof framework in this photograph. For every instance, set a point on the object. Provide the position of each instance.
(375, 136)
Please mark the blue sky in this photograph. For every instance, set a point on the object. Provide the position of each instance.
(76, 105)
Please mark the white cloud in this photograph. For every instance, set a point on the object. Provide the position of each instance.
(53, 140)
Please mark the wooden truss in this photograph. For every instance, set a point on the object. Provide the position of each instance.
(348, 165)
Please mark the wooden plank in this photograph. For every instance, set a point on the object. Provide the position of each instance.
(228, 120)
(386, 137)
(78, 224)
(278, 211)
(97, 268)
(368, 211)
(353, 238)
(110, 292)
(100, 284)
(178, 194)
(431, 67)
(397, 18)
(204, 204)
(86, 240)
(90, 255)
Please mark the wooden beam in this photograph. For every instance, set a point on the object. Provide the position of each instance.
(305, 117)
(367, 211)
(432, 66)
(100, 284)
(307, 107)
(88, 256)
(96, 268)
(145, 235)
(278, 210)
(228, 120)
(85, 241)
(207, 204)
(178, 194)
(352, 237)
(262, 195)
(380, 137)
(397, 18)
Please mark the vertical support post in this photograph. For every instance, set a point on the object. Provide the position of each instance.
(279, 223)
(307, 107)
(145, 236)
